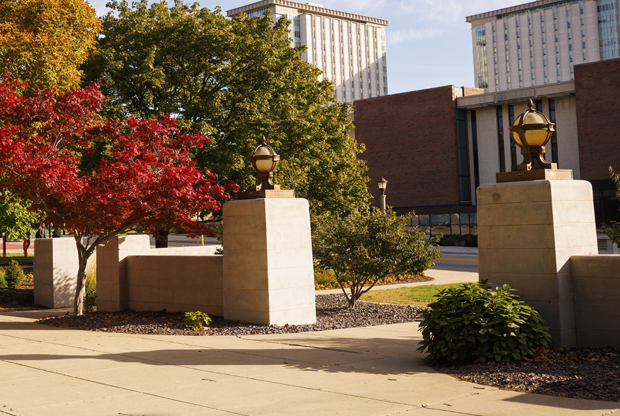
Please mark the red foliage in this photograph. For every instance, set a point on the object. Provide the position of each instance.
(144, 175)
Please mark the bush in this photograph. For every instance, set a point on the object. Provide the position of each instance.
(472, 322)
(466, 240)
(14, 275)
(196, 320)
(367, 246)
(90, 300)
(3, 283)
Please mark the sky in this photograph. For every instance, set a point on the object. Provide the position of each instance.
(429, 43)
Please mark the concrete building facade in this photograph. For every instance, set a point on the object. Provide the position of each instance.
(437, 146)
(539, 43)
(349, 48)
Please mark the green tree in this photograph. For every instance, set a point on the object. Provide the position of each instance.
(368, 245)
(235, 80)
(613, 230)
(44, 42)
(15, 219)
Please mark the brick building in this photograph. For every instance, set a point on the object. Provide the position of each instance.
(436, 146)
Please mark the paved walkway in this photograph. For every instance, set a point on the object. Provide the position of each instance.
(362, 371)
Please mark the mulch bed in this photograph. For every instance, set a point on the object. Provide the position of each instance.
(577, 373)
(332, 313)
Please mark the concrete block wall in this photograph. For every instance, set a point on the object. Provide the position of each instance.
(55, 272)
(527, 233)
(268, 269)
(596, 284)
(177, 283)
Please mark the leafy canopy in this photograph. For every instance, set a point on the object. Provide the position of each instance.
(236, 80)
(368, 245)
(44, 42)
(613, 230)
(100, 178)
(15, 219)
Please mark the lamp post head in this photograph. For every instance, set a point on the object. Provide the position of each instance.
(264, 161)
(382, 184)
(531, 131)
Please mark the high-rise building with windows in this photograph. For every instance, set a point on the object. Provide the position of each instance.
(540, 42)
(348, 48)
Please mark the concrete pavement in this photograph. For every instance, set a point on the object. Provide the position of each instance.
(361, 371)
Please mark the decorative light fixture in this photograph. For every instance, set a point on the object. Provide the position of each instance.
(382, 184)
(531, 131)
(264, 161)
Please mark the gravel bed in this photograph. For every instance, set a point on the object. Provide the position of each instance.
(332, 313)
(579, 373)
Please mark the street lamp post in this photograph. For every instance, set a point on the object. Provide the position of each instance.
(382, 184)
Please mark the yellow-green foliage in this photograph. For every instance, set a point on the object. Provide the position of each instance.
(90, 301)
(14, 275)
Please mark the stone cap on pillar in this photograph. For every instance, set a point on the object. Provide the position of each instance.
(267, 193)
(534, 174)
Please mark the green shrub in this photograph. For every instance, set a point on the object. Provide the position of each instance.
(196, 320)
(472, 322)
(325, 278)
(3, 283)
(90, 300)
(466, 240)
(14, 275)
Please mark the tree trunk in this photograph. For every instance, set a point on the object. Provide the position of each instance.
(161, 238)
(80, 287)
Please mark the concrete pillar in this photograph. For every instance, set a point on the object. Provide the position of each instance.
(55, 272)
(268, 269)
(527, 232)
(112, 270)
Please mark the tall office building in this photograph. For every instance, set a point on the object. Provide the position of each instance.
(348, 48)
(539, 43)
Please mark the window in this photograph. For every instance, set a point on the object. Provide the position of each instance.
(582, 22)
(558, 73)
(542, 17)
(463, 157)
(505, 37)
(531, 43)
(531, 54)
(557, 61)
(568, 25)
(500, 138)
(545, 74)
(544, 51)
(583, 33)
(519, 55)
(570, 46)
(571, 69)
(530, 32)
(583, 45)
(569, 36)
(544, 62)
(555, 27)
(570, 58)
(581, 10)
(520, 78)
(529, 20)
(556, 38)
(532, 65)
(505, 25)
(518, 35)
(584, 56)
(555, 17)
(493, 28)
(518, 45)
(557, 49)
(517, 23)
(554, 137)
(532, 76)
(543, 29)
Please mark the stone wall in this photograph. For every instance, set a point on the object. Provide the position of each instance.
(596, 285)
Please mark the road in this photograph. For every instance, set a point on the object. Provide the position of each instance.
(460, 263)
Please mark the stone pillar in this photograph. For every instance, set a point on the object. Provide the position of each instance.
(112, 270)
(55, 272)
(527, 232)
(268, 269)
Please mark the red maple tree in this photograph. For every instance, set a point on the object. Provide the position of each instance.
(100, 178)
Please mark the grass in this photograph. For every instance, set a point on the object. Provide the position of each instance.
(23, 261)
(419, 296)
